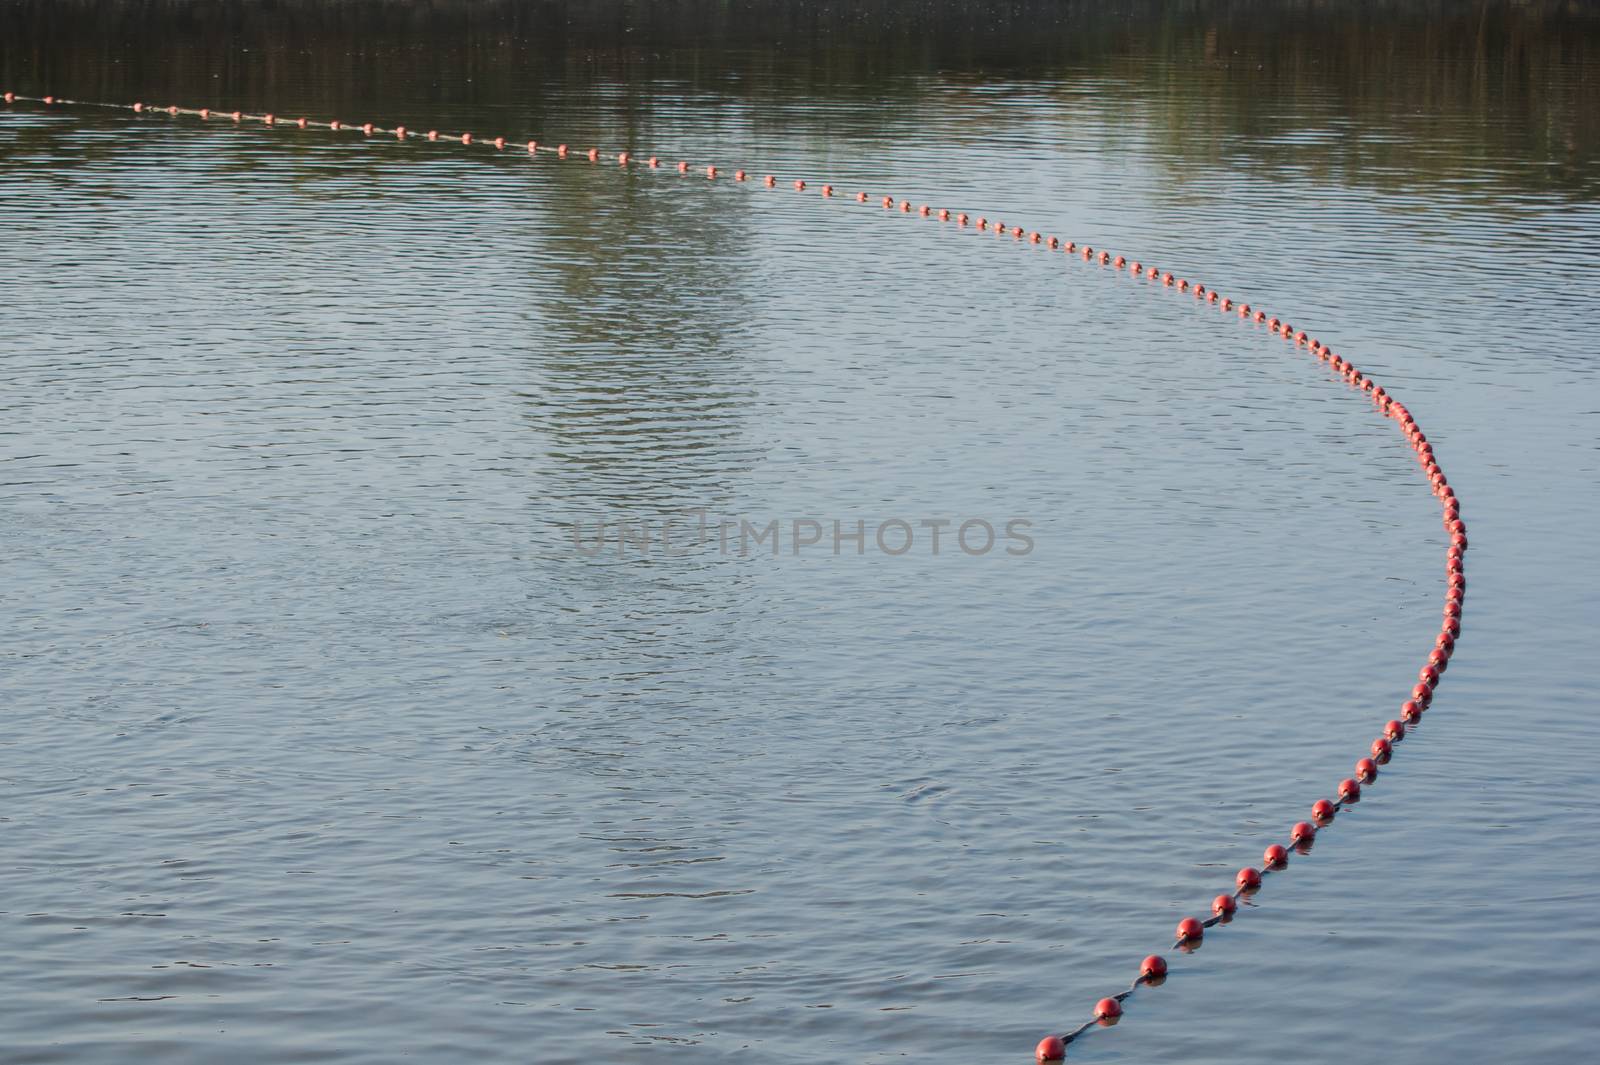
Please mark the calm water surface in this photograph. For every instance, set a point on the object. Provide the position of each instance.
(323, 743)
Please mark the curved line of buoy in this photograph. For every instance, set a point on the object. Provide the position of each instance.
(1191, 930)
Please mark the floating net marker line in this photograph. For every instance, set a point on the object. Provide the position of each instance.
(1191, 930)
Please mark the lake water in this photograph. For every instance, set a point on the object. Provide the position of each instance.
(325, 742)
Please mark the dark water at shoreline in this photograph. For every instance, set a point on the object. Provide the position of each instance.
(325, 744)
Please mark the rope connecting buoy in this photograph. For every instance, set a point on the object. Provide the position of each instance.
(1190, 931)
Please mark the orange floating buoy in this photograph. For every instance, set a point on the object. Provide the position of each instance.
(1190, 929)
(561, 151)
(739, 175)
(1227, 304)
(1107, 1010)
(1366, 770)
(1322, 810)
(654, 162)
(1153, 967)
(861, 197)
(466, 138)
(799, 186)
(1382, 750)
(205, 112)
(1261, 316)
(1224, 905)
(500, 144)
(770, 181)
(944, 214)
(683, 167)
(1302, 832)
(1119, 262)
(905, 206)
(888, 201)
(1034, 238)
(1349, 790)
(1249, 879)
(924, 210)
(533, 147)
(301, 123)
(1274, 856)
(1053, 243)
(1088, 253)
(622, 160)
(400, 133)
(433, 134)
(48, 100)
(266, 120)
(827, 190)
(711, 173)
(1050, 1048)
(1105, 257)
(593, 155)
(1167, 279)
(238, 116)
(137, 107)
(961, 219)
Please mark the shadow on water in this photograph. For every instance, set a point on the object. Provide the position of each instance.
(1408, 91)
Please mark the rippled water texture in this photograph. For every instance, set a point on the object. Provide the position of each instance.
(324, 743)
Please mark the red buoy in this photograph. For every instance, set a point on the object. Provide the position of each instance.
(1274, 856)
(1302, 832)
(1153, 967)
(1248, 879)
(1394, 731)
(1050, 1048)
(1224, 905)
(1381, 748)
(1349, 790)
(1410, 711)
(1366, 770)
(1190, 929)
(1107, 1009)
(1322, 810)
